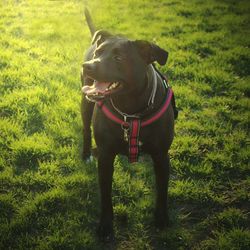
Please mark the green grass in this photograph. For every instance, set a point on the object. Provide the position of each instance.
(49, 198)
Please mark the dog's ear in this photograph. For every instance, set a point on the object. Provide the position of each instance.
(150, 52)
(100, 36)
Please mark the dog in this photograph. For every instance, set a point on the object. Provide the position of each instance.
(126, 98)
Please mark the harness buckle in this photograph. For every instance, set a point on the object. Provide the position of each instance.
(125, 130)
(126, 134)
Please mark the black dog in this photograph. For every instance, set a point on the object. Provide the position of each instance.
(122, 86)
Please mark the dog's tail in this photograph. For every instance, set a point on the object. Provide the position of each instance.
(89, 22)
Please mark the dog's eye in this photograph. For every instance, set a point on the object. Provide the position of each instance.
(98, 52)
(118, 58)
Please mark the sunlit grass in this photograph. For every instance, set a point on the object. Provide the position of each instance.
(49, 198)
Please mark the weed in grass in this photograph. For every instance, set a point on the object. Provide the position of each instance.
(234, 239)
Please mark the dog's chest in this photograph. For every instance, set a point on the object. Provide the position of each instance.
(143, 140)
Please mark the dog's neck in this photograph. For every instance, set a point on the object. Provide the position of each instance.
(138, 102)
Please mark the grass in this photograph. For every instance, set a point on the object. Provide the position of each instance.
(49, 198)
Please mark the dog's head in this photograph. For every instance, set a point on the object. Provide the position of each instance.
(118, 66)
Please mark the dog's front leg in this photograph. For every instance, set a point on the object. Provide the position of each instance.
(161, 168)
(86, 111)
(105, 174)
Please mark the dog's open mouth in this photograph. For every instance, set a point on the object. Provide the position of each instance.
(100, 90)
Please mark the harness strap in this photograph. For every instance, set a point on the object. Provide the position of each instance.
(134, 129)
(161, 111)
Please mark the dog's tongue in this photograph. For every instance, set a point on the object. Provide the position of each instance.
(96, 88)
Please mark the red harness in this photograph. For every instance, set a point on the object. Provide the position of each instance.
(132, 128)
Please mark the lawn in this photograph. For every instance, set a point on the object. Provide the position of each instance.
(49, 197)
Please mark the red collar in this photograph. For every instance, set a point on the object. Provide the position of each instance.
(144, 122)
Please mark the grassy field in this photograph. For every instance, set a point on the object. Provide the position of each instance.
(49, 198)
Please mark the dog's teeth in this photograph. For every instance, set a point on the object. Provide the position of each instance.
(112, 86)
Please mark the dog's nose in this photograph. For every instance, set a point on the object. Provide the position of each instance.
(90, 66)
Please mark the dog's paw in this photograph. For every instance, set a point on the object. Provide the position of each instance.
(87, 157)
(106, 234)
(90, 159)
